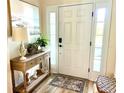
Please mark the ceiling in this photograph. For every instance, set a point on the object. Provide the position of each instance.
(34, 2)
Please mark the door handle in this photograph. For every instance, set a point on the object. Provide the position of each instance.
(60, 40)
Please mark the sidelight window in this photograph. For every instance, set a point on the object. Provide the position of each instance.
(99, 35)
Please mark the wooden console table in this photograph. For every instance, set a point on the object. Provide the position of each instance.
(42, 59)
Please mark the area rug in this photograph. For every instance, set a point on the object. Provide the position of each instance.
(69, 82)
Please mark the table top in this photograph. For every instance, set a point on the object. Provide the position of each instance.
(29, 57)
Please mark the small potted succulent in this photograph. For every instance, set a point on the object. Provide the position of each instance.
(42, 41)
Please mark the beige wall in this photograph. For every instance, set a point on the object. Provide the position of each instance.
(45, 3)
(43, 16)
(13, 52)
(111, 51)
(9, 79)
(13, 46)
(111, 61)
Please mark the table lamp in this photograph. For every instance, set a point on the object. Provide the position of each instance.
(20, 34)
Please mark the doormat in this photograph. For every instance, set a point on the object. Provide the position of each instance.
(69, 82)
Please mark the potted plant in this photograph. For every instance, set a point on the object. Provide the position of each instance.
(32, 48)
(42, 41)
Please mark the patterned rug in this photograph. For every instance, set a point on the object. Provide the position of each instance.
(69, 82)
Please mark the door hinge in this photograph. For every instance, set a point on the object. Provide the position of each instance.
(92, 14)
(88, 69)
(90, 43)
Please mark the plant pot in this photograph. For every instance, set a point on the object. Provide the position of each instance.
(32, 49)
(43, 48)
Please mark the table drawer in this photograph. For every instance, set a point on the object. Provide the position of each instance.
(31, 64)
(39, 60)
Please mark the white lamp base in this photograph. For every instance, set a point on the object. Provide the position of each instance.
(22, 58)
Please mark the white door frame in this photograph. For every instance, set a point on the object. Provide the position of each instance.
(55, 8)
(49, 10)
(107, 5)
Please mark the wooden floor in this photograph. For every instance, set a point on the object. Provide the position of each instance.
(44, 87)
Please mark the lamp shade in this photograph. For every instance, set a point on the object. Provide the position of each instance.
(20, 34)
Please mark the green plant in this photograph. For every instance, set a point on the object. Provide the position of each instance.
(42, 40)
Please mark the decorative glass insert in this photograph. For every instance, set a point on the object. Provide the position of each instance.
(98, 48)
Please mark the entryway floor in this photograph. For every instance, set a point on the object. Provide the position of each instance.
(44, 87)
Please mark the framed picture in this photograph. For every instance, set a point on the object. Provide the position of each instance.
(24, 14)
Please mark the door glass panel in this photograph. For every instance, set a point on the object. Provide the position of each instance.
(97, 44)
(97, 58)
(52, 18)
(99, 39)
(98, 52)
(100, 29)
(97, 66)
(53, 28)
(52, 23)
(101, 13)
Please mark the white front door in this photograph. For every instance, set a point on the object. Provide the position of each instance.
(75, 24)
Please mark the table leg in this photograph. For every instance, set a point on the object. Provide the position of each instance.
(13, 80)
(25, 83)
